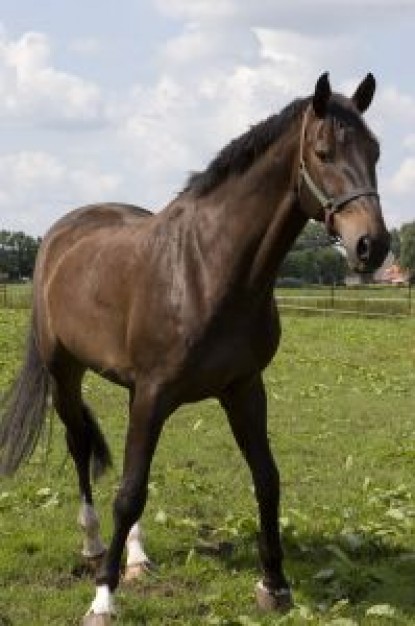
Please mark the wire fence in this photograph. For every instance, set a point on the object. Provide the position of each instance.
(15, 296)
(364, 301)
(367, 301)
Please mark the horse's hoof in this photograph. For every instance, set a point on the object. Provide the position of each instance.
(273, 599)
(138, 570)
(93, 563)
(97, 619)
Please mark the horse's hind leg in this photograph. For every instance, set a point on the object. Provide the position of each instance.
(82, 435)
(146, 421)
(138, 562)
(245, 405)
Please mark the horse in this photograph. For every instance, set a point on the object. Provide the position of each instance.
(178, 306)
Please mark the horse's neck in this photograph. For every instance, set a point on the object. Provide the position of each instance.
(247, 226)
(288, 221)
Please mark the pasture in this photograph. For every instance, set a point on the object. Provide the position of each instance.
(341, 397)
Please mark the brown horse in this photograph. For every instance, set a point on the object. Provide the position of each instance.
(179, 306)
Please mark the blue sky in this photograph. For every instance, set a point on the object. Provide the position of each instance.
(120, 100)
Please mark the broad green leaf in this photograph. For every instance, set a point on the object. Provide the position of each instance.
(161, 517)
(381, 610)
(324, 574)
(396, 514)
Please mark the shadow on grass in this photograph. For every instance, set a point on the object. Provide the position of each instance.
(363, 569)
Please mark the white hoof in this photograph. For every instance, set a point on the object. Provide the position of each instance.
(93, 619)
(93, 562)
(94, 551)
(102, 609)
(137, 570)
(273, 599)
(89, 523)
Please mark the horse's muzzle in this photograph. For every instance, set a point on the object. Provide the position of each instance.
(371, 252)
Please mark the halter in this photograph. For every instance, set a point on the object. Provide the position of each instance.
(329, 204)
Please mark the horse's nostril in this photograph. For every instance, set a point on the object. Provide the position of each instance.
(363, 248)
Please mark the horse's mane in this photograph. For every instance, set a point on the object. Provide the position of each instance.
(242, 152)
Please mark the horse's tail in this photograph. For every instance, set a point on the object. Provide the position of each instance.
(23, 415)
(23, 410)
(101, 455)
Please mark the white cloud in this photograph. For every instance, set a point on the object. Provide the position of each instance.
(32, 89)
(319, 16)
(29, 169)
(89, 46)
(305, 54)
(403, 181)
(409, 142)
(231, 64)
(215, 83)
(197, 9)
(36, 187)
(155, 139)
(393, 107)
(218, 78)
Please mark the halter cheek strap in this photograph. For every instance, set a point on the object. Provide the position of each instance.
(329, 204)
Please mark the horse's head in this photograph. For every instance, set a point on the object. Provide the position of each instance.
(337, 175)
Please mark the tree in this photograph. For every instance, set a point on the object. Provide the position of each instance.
(312, 237)
(17, 254)
(407, 256)
(395, 243)
(313, 258)
(331, 266)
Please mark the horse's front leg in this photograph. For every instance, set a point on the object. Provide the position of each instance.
(246, 408)
(146, 421)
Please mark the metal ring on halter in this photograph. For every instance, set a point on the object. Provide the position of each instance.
(329, 204)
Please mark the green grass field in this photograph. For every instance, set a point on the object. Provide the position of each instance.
(341, 421)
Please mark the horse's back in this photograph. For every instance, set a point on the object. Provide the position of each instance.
(85, 248)
(95, 220)
(95, 217)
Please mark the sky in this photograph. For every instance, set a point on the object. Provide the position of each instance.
(121, 100)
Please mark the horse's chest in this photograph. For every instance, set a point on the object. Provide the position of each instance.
(229, 352)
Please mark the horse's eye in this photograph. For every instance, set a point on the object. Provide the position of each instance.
(323, 150)
(324, 154)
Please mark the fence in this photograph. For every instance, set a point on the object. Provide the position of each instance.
(15, 296)
(365, 300)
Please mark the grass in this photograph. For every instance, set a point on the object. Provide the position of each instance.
(341, 408)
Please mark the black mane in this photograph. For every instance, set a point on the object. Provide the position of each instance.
(240, 153)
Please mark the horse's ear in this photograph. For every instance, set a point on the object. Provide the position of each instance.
(322, 95)
(363, 95)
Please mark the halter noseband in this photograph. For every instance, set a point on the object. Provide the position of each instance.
(329, 204)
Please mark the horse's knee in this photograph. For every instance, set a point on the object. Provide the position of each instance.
(129, 503)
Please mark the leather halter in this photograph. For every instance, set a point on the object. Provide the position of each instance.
(329, 204)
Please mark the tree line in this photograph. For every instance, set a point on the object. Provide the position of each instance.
(17, 255)
(313, 258)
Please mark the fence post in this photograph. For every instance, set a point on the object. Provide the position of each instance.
(332, 294)
(410, 297)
